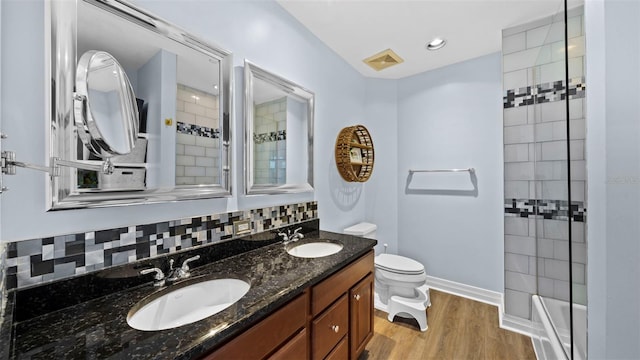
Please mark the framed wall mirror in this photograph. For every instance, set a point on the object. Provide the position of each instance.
(182, 87)
(278, 133)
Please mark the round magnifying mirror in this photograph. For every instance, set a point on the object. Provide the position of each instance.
(106, 113)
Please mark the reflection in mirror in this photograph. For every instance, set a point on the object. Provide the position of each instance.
(279, 134)
(182, 88)
(106, 112)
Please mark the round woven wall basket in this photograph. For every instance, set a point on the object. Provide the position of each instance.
(354, 154)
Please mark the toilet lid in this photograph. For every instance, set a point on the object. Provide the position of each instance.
(398, 264)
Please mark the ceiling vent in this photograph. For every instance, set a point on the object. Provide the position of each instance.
(383, 60)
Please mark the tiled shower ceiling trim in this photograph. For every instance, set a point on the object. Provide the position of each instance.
(36, 261)
(545, 209)
(543, 93)
(203, 131)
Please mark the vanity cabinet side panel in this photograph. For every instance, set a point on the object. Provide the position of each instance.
(267, 335)
(326, 292)
(361, 315)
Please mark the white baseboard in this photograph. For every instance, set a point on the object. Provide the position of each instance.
(507, 322)
(466, 291)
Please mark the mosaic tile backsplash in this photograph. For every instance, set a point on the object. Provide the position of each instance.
(37, 261)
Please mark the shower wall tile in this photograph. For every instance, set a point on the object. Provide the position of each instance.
(516, 189)
(514, 43)
(520, 282)
(516, 79)
(535, 131)
(556, 269)
(516, 153)
(524, 245)
(516, 263)
(515, 116)
(517, 303)
(518, 134)
(519, 171)
(516, 226)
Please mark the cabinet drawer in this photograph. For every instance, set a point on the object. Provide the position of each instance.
(296, 348)
(268, 334)
(330, 289)
(340, 352)
(330, 327)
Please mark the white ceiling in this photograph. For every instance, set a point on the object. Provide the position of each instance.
(357, 29)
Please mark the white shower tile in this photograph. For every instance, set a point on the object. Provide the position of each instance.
(561, 250)
(576, 47)
(513, 43)
(517, 303)
(185, 160)
(523, 245)
(516, 152)
(556, 229)
(533, 265)
(518, 134)
(577, 129)
(556, 269)
(574, 26)
(578, 170)
(515, 79)
(578, 274)
(519, 171)
(561, 290)
(520, 282)
(520, 60)
(577, 232)
(193, 150)
(515, 116)
(552, 71)
(545, 248)
(576, 109)
(516, 262)
(553, 111)
(544, 132)
(516, 190)
(185, 139)
(194, 171)
(545, 287)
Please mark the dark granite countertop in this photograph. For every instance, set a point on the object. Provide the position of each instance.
(97, 329)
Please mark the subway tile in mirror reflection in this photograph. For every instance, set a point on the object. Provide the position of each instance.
(36, 261)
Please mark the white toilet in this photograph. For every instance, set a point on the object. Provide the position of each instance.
(400, 282)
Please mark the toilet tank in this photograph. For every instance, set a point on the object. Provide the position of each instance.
(363, 229)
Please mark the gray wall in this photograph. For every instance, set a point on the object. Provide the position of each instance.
(450, 118)
(613, 155)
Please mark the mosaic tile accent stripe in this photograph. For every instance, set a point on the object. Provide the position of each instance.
(269, 137)
(545, 209)
(190, 129)
(3, 297)
(36, 261)
(549, 92)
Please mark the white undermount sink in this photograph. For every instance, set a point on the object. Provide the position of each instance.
(181, 305)
(314, 249)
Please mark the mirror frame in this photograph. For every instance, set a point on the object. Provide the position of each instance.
(252, 71)
(64, 136)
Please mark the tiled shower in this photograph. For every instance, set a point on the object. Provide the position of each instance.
(536, 169)
(270, 142)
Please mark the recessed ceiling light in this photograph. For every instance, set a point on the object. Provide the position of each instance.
(436, 44)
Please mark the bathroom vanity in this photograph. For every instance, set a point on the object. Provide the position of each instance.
(311, 307)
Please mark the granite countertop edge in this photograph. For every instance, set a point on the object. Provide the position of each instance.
(101, 324)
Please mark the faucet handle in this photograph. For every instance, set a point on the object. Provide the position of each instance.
(158, 277)
(285, 236)
(296, 230)
(185, 264)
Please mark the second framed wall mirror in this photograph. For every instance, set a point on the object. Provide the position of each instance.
(279, 116)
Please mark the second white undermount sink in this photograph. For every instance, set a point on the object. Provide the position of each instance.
(186, 304)
(314, 249)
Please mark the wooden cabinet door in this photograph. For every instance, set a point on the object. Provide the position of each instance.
(360, 315)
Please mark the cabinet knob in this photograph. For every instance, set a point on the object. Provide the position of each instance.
(335, 328)
(357, 297)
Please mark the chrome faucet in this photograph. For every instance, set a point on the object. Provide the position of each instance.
(182, 272)
(174, 274)
(288, 237)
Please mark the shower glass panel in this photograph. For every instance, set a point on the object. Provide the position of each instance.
(559, 185)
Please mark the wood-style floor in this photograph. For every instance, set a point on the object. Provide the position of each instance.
(459, 328)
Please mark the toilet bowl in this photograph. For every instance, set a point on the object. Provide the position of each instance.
(397, 276)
